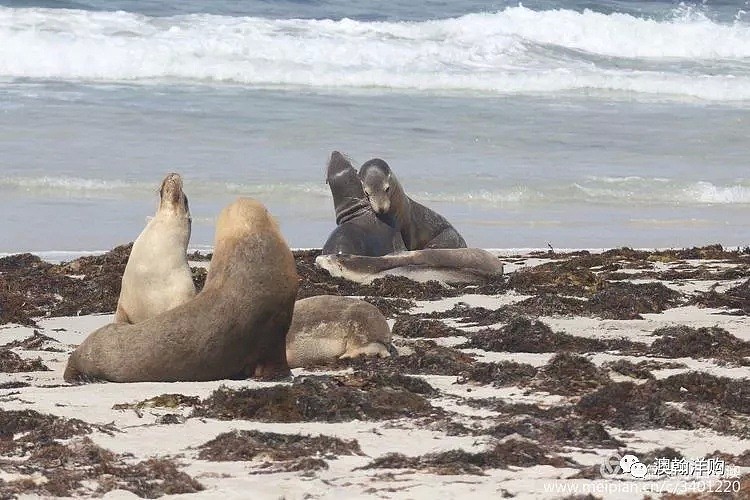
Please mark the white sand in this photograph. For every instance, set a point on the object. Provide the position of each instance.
(143, 437)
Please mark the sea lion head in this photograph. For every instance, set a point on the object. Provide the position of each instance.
(338, 169)
(243, 218)
(377, 181)
(173, 198)
(346, 189)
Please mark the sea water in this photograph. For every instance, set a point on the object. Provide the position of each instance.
(572, 123)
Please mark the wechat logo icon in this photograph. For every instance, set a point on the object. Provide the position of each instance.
(629, 464)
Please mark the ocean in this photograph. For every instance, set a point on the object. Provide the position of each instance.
(571, 124)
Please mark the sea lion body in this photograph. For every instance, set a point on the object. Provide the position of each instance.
(157, 276)
(328, 327)
(234, 328)
(447, 265)
(419, 226)
(358, 230)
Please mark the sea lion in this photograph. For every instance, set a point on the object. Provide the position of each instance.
(420, 227)
(449, 265)
(358, 230)
(234, 328)
(157, 276)
(329, 327)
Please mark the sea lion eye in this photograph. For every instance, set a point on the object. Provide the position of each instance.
(387, 188)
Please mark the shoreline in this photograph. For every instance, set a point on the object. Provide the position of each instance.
(60, 256)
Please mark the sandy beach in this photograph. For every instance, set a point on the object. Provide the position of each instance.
(524, 387)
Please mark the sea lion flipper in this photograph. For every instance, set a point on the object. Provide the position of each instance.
(447, 238)
(449, 265)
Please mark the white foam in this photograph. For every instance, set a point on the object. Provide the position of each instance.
(78, 186)
(516, 50)
(705, 192)
(630, 190)
(63, 183)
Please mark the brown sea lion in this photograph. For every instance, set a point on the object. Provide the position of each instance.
(328, 327)
(234, 328)
(157, 276)
(358, 230)
(448, 265)
(420, 227)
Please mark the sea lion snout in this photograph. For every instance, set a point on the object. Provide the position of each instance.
(171, 192)
(380, 204)
(376, 183)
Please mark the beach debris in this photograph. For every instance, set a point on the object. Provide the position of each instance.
(31, 288)
(242, 445)
(706, 401)
(80, 467)
(428, 358)
(630, 300)
(199, 277)
(629, 369)
(612, 301)
(686, 342)
(411, 327)
(522, 334)
(736, 299)
(391, 308)
(555, 427)
(10, 362)
(56, 449)
(323, 399)
(569, 374)
(37, 342)
(163, 401)
(499, 455)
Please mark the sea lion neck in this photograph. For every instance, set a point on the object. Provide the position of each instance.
(346, 189)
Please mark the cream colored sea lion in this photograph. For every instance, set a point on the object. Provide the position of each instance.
(329, 327)
(420, 227)
(449, 265)
(157, 276)
(234, 328)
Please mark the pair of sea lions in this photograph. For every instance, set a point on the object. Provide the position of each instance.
(239, 325)
(234, 328)
(381, 231)
(358, 231)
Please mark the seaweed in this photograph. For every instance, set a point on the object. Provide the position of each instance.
(249, 445)
(322, 399)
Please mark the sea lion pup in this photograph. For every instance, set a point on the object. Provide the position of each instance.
(420, 227)
(157, 276)
(448, 265)
(234, 328)
(358, 230)
(328, 327)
